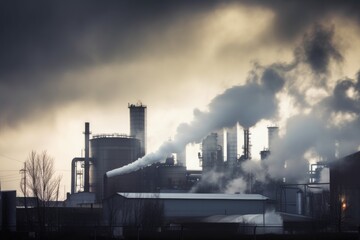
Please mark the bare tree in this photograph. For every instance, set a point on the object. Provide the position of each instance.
(40, 182)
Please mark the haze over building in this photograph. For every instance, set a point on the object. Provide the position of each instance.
(202, 67)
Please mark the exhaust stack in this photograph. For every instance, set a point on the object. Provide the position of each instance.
(87, 160)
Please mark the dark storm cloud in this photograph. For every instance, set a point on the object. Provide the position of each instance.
(293, 17)
(47, 35)
(50, 35)
(319, 49)
(40, 41)
(316, 51)
(344, 98)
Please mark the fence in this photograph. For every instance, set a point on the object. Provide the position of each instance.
(178, 232)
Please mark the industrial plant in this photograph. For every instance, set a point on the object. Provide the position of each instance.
(224, 197)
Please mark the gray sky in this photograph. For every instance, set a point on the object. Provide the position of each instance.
(62, 64)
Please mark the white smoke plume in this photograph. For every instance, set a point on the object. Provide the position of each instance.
(225, 110)
(316, 125)
(255, 168)
(237, 185)
(210, 181)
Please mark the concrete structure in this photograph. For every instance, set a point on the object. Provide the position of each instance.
(179, 207)
(138, 124)
(109, 152)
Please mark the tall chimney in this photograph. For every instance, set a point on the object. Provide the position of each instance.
(87, 160)
(138, 124)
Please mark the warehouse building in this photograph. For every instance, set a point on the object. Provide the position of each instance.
(132, 208)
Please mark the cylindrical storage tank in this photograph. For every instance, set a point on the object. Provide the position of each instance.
(107, 153)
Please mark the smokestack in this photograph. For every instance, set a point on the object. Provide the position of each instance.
(138, 124)
(87, 160)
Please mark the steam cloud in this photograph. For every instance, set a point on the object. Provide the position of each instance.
(245, 104)
(324, 129)
(312, 132)
(316, 128)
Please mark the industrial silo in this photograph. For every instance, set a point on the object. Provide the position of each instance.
(109, 152)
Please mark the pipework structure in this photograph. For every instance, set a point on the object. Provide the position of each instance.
(212, 155)
(247, 144)
(138, 124)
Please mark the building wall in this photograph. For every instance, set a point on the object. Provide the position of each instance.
(125, 211)
(171, 177)
(204, 208)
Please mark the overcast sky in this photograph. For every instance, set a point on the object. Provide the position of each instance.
(62, 64)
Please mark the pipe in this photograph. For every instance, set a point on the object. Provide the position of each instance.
(87, 161)
(299, 203)
(73, 173)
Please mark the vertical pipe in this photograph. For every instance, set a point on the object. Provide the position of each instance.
(87, 161)
(73, 176)
(299, 203)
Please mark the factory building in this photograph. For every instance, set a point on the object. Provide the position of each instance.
(109, 151)
(180, 207)
(212, 154)
(170, 177)
(345, 191)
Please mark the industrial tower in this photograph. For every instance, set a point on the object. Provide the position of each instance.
(138, 124)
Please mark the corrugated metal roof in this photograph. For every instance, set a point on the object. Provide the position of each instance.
(207, 196)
